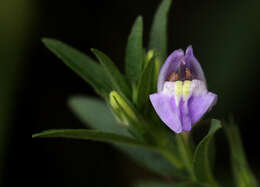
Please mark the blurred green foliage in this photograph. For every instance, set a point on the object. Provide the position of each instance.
(14, 24)
(196, 162)
(225, 36)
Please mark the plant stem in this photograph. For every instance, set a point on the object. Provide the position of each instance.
(186, 152)
(173, 159)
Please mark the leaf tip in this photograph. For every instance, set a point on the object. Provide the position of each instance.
(75, 100)
(93, 50)
(36, 135)
(139, 18)
(217, 123)
(46, 40)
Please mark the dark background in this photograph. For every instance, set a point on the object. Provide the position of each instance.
(35, 85)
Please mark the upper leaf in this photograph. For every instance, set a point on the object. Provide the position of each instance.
(241, 170)
(83, 65)
(158, 34)
(144, 154)
(201, 161)
(134, 51)
(96, 114)
(85, 134)
(146, 86)
(118, 80)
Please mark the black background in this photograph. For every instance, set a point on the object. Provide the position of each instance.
(225, 37)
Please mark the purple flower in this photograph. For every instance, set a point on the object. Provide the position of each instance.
(182, 96)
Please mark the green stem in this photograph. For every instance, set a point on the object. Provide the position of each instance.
(186, 153)
(172, 159)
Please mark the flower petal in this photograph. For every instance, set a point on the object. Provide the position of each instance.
(167, 110)
(199, 105)
(195, 67)
(185, 116)
(170, 65)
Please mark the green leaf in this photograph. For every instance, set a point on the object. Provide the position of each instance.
(118, 80)
(134, 51)
(146, 86)
(158, 34)
(154, 161)
(144, 154)
(201, 161)
(96, 114)
(85, 134)
(137, 128)
(241, 170)
(83, 65)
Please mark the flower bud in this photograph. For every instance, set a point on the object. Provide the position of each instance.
(149, 55)
(121, 109)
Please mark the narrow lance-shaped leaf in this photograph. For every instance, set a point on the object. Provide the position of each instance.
(158, 34)
(85, 134)
(137, 129)
(241, 170)
(146, 85)
(154, 161)
(96, 114)
(83, 65)
(144, 154)
(201, 161)
(134, 51)
(151, 159)
(118, 80)
(86, 109)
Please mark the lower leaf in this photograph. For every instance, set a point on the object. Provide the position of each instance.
(201, 161)
(85, 134)
(242, 173)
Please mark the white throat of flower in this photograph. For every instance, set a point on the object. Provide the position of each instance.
(184, 89)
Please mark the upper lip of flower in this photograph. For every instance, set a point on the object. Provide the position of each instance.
(175, 60)
(182, 97)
